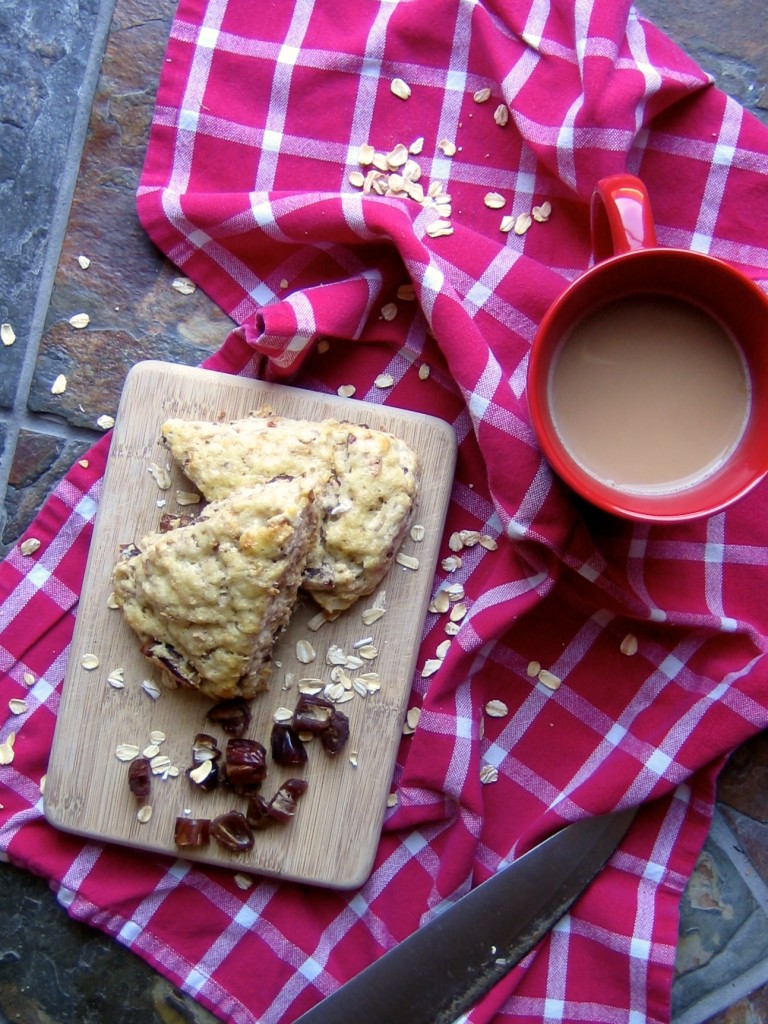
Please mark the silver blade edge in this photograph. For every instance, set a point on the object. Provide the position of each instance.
(445, 967)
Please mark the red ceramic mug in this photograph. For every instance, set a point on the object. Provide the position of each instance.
(648, 377)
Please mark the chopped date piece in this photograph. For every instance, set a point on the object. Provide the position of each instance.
(257, 812)
(287, 747)
(168, 658)
(233, 715)
(232, 831)
(313, 713)
(140, 777)
(205, 775)
(192, 832)
(261, 813)
(334, 738)
(174, 520)
(282, 806)
(246, 763)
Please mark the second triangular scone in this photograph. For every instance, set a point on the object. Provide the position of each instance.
(366, 481)
(209, 599)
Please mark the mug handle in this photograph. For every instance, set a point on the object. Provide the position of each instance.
(621, 219)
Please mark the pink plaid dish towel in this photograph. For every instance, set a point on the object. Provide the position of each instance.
(323, 171)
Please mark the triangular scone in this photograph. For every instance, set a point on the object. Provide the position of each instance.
(366, 481)
(209, 599)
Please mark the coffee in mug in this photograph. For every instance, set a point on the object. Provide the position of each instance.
(648, 377)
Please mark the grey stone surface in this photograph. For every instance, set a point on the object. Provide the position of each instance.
(44, 51)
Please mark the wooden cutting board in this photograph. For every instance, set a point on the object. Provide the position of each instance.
(333, 838)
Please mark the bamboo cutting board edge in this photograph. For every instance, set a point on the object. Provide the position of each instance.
(333, 840)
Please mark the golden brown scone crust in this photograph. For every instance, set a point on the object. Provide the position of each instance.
(366, 481)
(208, 599)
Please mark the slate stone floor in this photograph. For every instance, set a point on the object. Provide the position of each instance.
(77, 83)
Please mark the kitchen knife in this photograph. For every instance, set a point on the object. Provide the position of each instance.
(440, 971)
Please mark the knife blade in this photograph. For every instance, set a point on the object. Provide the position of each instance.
(443, 968)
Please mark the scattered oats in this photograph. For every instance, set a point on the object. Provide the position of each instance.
(431, 665)
(151, 689)
(173, 772)
(368, 653)
(398, 156)
(494, 201)
(470, 537)
(318, 621)
(59, 386)
(482, 95)
(305, 652)
(534, 667)
(311, 686)
(359, 687)
(447, 147)
(161, 475)
(418, 532)
(353, 758)
(338, 675)
(144, 814)
(335, 692)
(501, 115)
(105, 422)
(29, 679)
(201, 772)
(346, 390)
(496, 709)
(188, 498)
(183, 285)
(389, 311)
(628, 645)
(435, 190)
(323, 346)
(455, 592)
(452, 628)
(407, 561)
(288, 681)
(116, 677)
(380, 162)
(151, 750)
(442, 649)
(458, 612)
(406, 293)
(353, 661)
(84, 262)
(440, 603)
(80, 320)
(362, 643)
(356, 178)
(423, 371)
(365, 154)
(400, 88)
(489, 774)
(283, 282)
(89, 662)
(549, 679)
(43, 779)
(451, 563)
(392, 800)
(335, 655)
(371, 681)
(84, 463)
(439, 228)
(17, 706)
(416, 146)
(507, 223)
(157, 736)
(115, 683)
(456, 541)
(6, 749)
(488, 542)
(371, 615)
(30, 546)
(126, 751)
(542, 213)
(243, 881)
(522, 223)
(7, 334)
(412, 717)
(412, 173)
(159, 764)
(346, 696)
(384, 380)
